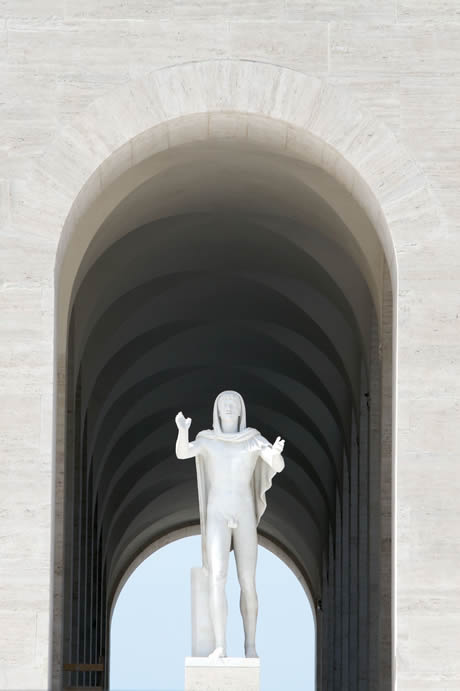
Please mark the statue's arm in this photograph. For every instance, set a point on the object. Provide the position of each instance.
(272, 454)
(185, 448)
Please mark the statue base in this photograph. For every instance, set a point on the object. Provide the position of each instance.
(222, 674)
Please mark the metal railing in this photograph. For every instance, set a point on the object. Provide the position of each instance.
(84, 675)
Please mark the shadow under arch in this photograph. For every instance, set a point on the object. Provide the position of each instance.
(329, 168)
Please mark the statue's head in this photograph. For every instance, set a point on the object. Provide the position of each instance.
(229, 408)
(228, 405)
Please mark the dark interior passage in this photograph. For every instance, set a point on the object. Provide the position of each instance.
(165, 318)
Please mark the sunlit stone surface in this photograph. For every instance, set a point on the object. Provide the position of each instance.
(224, 674)
(316, 115)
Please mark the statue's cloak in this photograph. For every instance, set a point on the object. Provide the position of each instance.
(263, 472)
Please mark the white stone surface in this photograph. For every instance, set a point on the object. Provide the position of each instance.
(224, 674)
(235, 467)
(397, 60)
(202, 633)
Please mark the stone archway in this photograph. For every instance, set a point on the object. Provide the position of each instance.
(369, 182)
(277, 603)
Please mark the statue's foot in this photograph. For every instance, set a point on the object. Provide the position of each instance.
(217, 653)
(250, 651)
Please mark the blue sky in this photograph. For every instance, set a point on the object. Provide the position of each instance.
(150, 634)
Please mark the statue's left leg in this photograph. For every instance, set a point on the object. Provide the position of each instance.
(245, 547)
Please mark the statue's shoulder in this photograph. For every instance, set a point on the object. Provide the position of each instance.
(251, 433)
(258, 441)
(206, 434)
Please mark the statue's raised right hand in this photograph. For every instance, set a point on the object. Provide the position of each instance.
(183, 423)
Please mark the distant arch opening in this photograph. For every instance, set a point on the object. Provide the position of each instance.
(150, 625)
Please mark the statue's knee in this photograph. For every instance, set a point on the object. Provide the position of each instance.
(217, 576)
(248, 587)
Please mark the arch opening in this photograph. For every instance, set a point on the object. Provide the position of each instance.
(231, 266)
(152, 612)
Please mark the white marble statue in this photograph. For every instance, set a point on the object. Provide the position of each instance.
(235, 467)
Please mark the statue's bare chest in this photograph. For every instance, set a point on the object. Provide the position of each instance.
(230, 452)
(229, 461)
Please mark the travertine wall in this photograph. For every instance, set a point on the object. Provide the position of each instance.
(398, 60)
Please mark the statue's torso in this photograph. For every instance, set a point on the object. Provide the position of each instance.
(229, 468)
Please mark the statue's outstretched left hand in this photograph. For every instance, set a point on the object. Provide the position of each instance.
(278, 446)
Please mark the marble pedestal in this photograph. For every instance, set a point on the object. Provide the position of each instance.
(225, 674)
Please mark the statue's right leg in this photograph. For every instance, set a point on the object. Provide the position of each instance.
(218, 538)
(245, 545)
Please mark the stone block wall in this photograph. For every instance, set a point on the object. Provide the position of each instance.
(400, 61)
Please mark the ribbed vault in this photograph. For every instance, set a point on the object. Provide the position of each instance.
(245, 279)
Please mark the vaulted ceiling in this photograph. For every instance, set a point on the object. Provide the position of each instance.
(187, 306)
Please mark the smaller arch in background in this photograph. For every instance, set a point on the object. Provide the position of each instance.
(305, 629)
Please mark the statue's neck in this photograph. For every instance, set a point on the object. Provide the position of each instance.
(229, 426)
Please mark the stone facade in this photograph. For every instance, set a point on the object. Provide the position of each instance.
(378, 84)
